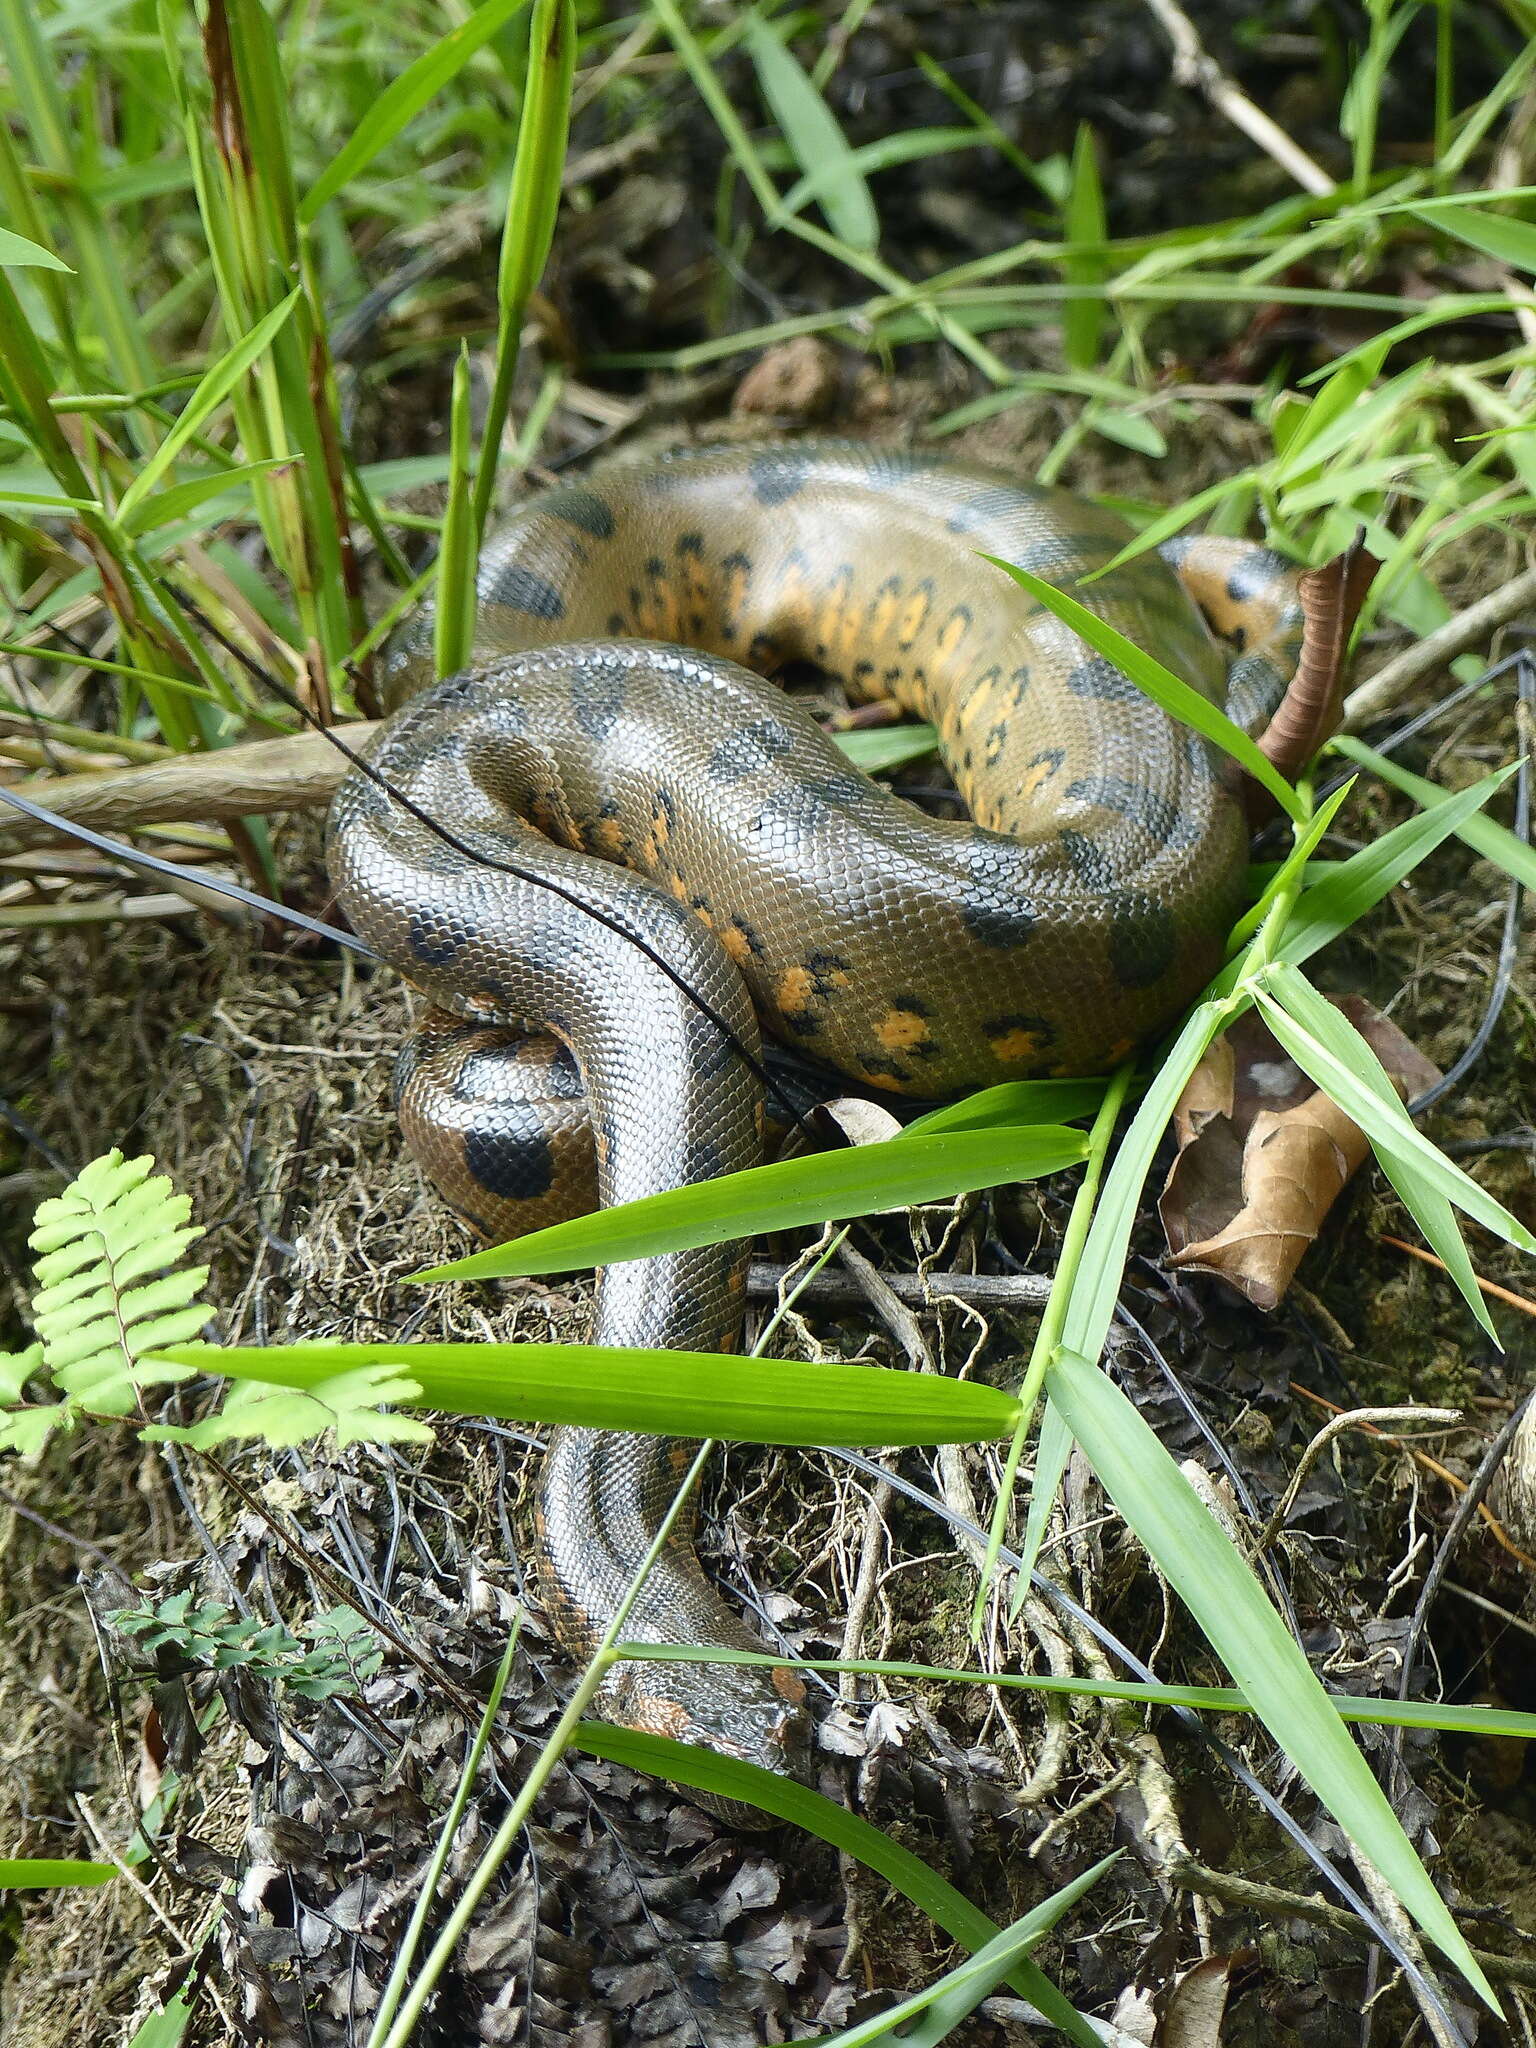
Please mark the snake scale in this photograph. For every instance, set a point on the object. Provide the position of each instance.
(614, 738)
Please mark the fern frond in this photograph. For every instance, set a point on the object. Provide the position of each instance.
(25, 1427)
(349, 1404)
(117, 1222)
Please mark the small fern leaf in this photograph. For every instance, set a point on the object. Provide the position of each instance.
(25, 1428)
(16, 1368)
(349, 1404)
(117, 1223)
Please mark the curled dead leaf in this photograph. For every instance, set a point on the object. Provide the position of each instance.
(1264, 1154)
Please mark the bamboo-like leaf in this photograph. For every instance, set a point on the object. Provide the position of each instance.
(1214, 1582)
(832, 1185)
(1012, 1102)
(166, 2028)
(818, 144)
(150, 515)
(1178, 698)
(17, 253)
(1328, 1048)
(929, 2016)
(1495, 234)
(665, 1393)
(705, 1770)
(52, 1873)
(1082, 319)
(1492, 840)
(403, 99)
(212, 389)
(889, 746)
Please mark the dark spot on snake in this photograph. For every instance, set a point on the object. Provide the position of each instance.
(762, 651)
(1086, 860)
(583, 509)
(616, 622)
(1020, 682)
(799, 807)
(777, 475)
(996, 740)
(1144, 807)
(509, 1153)
(597, 694)
(690, 544)
(756, 746)
(434, 944)
(1255, 573)
(1099, 678)
(878, 1066)
(860, 670)
(655, 568)
(993, 899)
(913, 1003)
(1143, 942)
(521, 591)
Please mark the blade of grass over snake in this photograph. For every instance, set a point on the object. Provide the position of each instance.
(1012, 1102)
(453, 617)
(1175, 696)
(1326, 1046)
(663, 1393)
(887, 747)
(705, 1770)
(1289, 871)
(1188, 1545)
(403, 99)
(1212, 1699)
(817, 143)
(830, 1186)
(52, 1873)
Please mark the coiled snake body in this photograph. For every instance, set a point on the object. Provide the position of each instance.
(612, 737)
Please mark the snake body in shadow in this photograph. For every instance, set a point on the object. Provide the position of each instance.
(614, 737)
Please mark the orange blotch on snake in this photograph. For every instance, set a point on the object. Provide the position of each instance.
(902, 1030)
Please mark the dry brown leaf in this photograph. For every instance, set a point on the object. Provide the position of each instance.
(1263, 1154)
(1194, 2014)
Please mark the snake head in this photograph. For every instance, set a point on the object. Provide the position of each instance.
(752, 1713)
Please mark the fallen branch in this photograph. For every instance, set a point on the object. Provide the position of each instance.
(294, 774)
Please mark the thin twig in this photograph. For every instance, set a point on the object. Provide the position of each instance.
(1194, 65)
(1354, 1418)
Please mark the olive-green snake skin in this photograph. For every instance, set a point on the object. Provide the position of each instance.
(612, 738)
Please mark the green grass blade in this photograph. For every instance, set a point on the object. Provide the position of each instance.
(52, 1873)
(890, 746)
(815, 140)
(1178, 698)
(180, 501)
(1328, 1048)
(1187, 1544)
(212, 389)
(1495, 234)
(166, 2028)
(1289, 870)
(931, 2015)
(403, 99)
(1212, 1699)
(704, 1770)
(906, 146)
(828, 1187)
(533, 203)
(1083, 319)
(1493, 841)
(453, 618)
(17, 253)
(1012, 1102)
(663, 1393)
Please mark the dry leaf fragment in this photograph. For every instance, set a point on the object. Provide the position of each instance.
(1194, 2014)
(1263, 1154)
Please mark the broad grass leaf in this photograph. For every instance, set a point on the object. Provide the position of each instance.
(1083, 319)
(1486, 836)
(1188, 1546)
(1012, 1102)
(199, 493)
(828, 1187)
(664, 1393)
(1495, 234)
(1290, 868)
(929, 2016)
(817, 142)
(705, 1770)
(887, 746)
(903, 147)
(166, 2028)
(52, 1873)
(17, 253)
(1178, 698)
(404, 97)
(1326, 1046)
